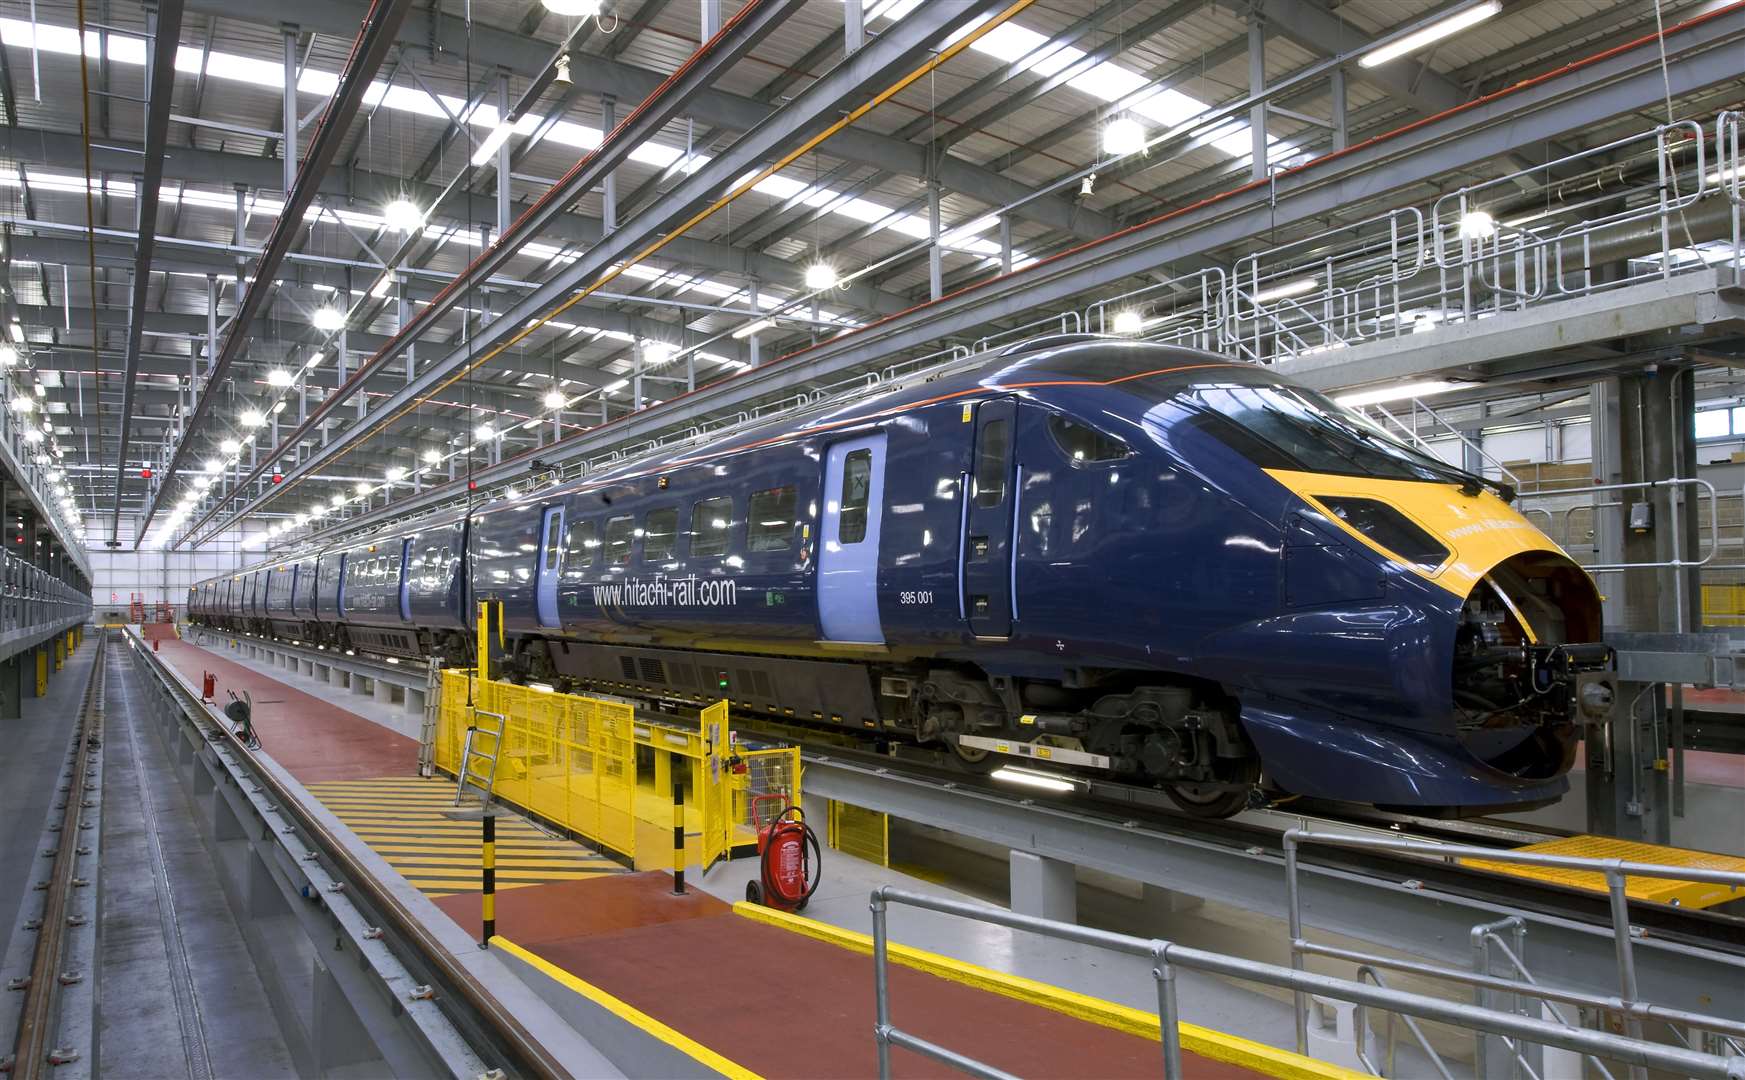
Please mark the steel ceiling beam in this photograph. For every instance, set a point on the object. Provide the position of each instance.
(1700, 52)
(375, 37)
(898, 51)
(166, 27)
(492, 46)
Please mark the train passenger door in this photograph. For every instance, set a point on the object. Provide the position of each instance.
(989, 515)
(406, 580)
(848, 558)
(550, 564)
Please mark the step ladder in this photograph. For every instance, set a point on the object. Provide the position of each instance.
(432, 712)
(488, 725)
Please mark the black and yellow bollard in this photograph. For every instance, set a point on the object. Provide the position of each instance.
(488, 894)
(678, 835)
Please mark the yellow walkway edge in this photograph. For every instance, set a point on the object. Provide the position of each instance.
(628, 1013)
(1204, 1041)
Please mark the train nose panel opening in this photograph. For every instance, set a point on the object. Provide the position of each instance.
(1528, 625)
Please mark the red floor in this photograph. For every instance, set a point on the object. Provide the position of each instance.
(312, 738)
(784, 1005)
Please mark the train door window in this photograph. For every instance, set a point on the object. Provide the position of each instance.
(553, 536)
(660, 530)
(991, 454)
(1082, 444)
(769, 524)
(711, 526)
(620, 537)
(579, 549)
(856, 487)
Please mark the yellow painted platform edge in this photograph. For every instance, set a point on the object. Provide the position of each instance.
(1204, 1041)
(627, 1012)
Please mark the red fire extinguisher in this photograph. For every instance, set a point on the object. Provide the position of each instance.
(791, 864)
(208, 686)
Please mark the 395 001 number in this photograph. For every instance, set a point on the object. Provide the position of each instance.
(915, 596)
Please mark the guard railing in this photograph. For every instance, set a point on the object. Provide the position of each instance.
(1167, 958)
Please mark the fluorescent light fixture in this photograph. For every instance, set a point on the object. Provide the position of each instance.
(572, 9)
(1028, 778)
(278, 377)
(318, 511)
(484, 432)
(1088, 186)
(8, 355)
(31, 435)
(1288, 289)
(1477, 225)
(554, 399)
(431, 457)
(657, 353)
(328, 319)
(251, 419)
(1127, 321)
(1435, 32)
(751, 328)
(363, 488)
(338, 501)
(1399, 392)
(1122, 136)
(395, 474)
(403, 215)
(213, 465)
(229, 446)
(819, 276)
(301, 520)
(23, 405)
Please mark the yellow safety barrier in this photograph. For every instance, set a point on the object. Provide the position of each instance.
(592, 767)
(1724, 605)
(863, 833)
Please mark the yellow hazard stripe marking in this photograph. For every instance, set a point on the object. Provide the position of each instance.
(686, 1045)
(1204, 1041)
(404, 821)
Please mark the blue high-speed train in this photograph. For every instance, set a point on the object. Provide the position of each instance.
(1097, 555)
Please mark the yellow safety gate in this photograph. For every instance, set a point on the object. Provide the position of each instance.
(574, 761)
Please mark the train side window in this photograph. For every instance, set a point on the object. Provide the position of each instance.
(660, 531)
(620, 536)
(1084, 445)
(769, 524)
(579, 550)
(711, 526)
(553, 541)
(856, 489)
(991, 464)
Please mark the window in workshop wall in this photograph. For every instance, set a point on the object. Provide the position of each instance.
(1720, 423)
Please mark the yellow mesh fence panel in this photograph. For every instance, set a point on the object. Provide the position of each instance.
(769, 785)
(712, 785)
(1724, 605)
(860, 832)
(568, 759)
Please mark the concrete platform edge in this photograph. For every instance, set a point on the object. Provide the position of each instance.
(629, 1037)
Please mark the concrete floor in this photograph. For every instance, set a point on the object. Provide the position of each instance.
(30, 769)
(178, 995)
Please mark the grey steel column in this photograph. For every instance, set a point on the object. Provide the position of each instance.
(853, 26)
(402, 314)
(1256, 87)
(608, 186)
(1005, 243)
(751, 352)
(289, 143)
(934, 275)
(502, 167)
(710, 18)
(1341, 130)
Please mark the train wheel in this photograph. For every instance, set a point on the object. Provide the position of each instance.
(972, 759)
(1217, 800)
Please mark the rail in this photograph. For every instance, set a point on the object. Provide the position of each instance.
(1626, 1004)
(1166, 957)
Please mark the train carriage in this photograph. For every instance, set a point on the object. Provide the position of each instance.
(1132, 559)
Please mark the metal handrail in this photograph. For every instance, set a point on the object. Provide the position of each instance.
(1615, 871)
(1167, 956)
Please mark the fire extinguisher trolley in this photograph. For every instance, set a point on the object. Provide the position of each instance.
(790, 865)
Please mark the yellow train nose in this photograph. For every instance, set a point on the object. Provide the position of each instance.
(1434, 529)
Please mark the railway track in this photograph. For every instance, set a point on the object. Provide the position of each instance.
(56, 974)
